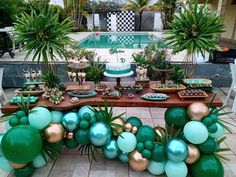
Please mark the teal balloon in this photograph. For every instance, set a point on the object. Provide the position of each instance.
(123, 156)
(70, 143)
(99, 134)
(176, 169)
(4, 165)
(40, 118)
(56, 116)
(158, 153)
(219, 132)
(135, 121)
(70, 121)
(1, 136)
(27, 171)
(195, 132)
(156, 168)
(111, 149)
(145, 133)
(39, 160)
(177, 150)
(127, 142)
(86, 109)
(21, 144)
(82, 137)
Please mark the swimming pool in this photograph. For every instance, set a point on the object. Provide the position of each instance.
(118, 40)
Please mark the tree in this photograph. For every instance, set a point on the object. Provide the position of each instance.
(139, 6)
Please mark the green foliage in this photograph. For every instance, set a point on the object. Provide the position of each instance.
(90, 150)
(9, 9)
(95, 71)
(177, 75)
(79, 53)
(44, 36)
(195, 29)
(137, 5)
(52, 80)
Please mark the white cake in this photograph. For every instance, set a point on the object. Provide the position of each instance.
(118, 69)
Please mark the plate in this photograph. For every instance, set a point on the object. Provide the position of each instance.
(167, 90)
(197, 81)
(155, 96)
(90, 94)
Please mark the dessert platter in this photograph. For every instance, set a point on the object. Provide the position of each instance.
(155, 96)
(192, 94)
(167, 88)
(204, 87)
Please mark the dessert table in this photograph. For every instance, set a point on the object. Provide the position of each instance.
(124, 101)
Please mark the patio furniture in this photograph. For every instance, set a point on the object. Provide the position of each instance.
(124, 101)
(1, 89)
(232, 87)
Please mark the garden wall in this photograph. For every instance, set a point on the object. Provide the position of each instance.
(218, 73)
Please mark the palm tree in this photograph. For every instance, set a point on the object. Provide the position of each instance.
(139, 6)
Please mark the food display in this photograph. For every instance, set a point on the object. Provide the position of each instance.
(31, 88)
(155, 96)
(111, 94)
(82, 94)
(18, 99)
(128, 88)
(167, 88)
(54, 95)
(197, 81)
(194, 93)
(117, 69)
(102, 88)
(204, 87)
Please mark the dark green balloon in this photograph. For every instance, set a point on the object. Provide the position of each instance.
(27, 171)
(149, 145)
(207, 166)
(158, 153)
(24, 120)
(208, 147)
(135, 121)
(145, 133)
(70, 143)
(207, 121)
(20, 113)
(140, 147)
(21, 144)
(86, 116)
(14, 121)
(176, 116)
(81, 137)
(214, 118)
(146, 154)
(84, 124)
(212, 128)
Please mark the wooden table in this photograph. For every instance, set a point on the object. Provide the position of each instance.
(124, 101)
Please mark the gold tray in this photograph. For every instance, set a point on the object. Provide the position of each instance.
(167, 90)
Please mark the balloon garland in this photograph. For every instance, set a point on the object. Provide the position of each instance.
(189, 144)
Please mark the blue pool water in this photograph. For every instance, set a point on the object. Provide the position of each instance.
(118, 40)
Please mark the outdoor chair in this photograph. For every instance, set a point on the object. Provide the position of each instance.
(232, 87)
(1, 89)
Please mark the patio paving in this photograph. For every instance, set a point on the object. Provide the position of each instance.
(71, 164)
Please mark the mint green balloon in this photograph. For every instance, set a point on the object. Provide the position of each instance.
(40, 118)
(127, 142)
(176, 169)
(195, 132)
(219, 132)
(56, 116)
(156, 168)
(4, 165)
(86, 109)
(39, 161)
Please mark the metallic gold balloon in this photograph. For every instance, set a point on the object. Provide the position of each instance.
(159, 131)
(54, 132)
(193, 154)
(134, 129)
(70, 135)
(17, 166)
(128, 127)
(198, 110)
(137, 162)
(121, 122)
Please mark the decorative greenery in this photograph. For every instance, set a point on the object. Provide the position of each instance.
(177, 75)
(90, 150)
(194, 29)
(44, 36)
(103, 6)
(52, 80)
(79, 53)
(95, 71)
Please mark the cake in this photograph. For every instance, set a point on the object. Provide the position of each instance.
(118, 69)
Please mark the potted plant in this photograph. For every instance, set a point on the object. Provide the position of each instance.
(195, 29)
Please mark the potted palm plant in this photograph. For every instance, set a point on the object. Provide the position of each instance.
(194, 29)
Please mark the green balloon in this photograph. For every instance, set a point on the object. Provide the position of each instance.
(176, 116)
(27, 171)
(86, 116)
(24, 120)
(146, 154)
(140, 147)
(20, 113)
(14, 121)
(135, 121)
(149, 145)
(207, 121)
(40, 160)
(92, 120)
(84, 124)
(21, 144)
(212, 128)
(145, 133)
(81, 137)
(207, 165)
(208, 147)
(158, 153)
(71, 143)
(214, 118)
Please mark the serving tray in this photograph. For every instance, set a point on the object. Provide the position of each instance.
(90, 94)
(155, 96)
(155, 88)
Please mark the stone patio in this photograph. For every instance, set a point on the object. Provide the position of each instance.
(71, 164)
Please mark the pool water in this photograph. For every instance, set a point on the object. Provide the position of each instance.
(118, 40)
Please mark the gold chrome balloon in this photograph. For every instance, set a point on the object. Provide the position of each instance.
(159, 131)
(119, 129)
(128, 127)
(198, 110)
(134, 129)
(70, 135)
(17, 166)
(54, 133)
(193, 154)
(137, 162)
